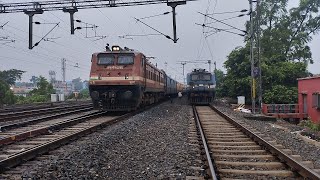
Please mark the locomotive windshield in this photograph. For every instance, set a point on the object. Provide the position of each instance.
(203, 77)
(105, 59)
(124, 60)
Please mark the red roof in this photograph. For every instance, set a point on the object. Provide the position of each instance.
(314, 77)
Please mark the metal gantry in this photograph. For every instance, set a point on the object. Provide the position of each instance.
(72, 6)
(76, 4)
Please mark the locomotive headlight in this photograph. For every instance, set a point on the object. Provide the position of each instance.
(115, 48)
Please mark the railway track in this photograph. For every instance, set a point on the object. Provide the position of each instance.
(233, 151)
(24, 107)
(52, 137)
(41, 140)
(9, 116)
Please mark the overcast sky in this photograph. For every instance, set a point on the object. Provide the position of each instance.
(115, 22)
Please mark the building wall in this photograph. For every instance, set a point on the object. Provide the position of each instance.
(306, 87)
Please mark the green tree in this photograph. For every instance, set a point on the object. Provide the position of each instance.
(220, 78)
(42, 92)
(8, 78)
(280, 94)
(285, 53)
(77, 84)
(84, 93)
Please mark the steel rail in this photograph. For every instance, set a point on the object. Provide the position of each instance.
(31, 153)
(43, 130)
(203, 138)
(24, 114)
(21, 157)
(41, 119)
(24, 107)
(303, 170)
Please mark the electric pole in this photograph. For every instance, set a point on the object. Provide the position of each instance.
(259, 55)
(183, 63)
(63, 69)
(255, 56)
(209, 62)
(253, 82)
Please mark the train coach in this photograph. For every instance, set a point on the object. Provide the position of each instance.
(200, 87)
(124, 80)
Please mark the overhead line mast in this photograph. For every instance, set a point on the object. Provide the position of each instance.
(80, 4)
(72, 6)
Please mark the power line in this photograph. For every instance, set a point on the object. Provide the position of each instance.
(43, 47)
(165, 13)
(222, 22)
(37, 43)
(240, 15)
(37, 54)
(229, 12)
(167, 36)
(218, 29)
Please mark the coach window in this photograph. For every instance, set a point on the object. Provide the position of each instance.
(125, 60)
(104, 59)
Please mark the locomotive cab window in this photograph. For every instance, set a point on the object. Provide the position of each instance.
(206, 77)
(125, 60)
(194, 77)
(104, 59)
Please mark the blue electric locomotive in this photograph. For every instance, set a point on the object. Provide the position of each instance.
(201, 86)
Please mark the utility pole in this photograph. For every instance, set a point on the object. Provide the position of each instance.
(253, 82)
(209, 62)
(63, 69)
(183, 63)
(259, 55)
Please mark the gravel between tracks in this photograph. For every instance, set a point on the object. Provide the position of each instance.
(150, 145)
(285, 136)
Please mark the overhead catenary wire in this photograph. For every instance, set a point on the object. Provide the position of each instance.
(218, 29)
(240, 15)
(202, 39)
(167, 36)
(34, 53)
(43, 47)
(41, 57)
(223, 22)
(37, 43)
(229, 12)
(165, 13)
(36, 36)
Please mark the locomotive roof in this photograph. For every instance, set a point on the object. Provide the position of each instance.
(119, 52)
